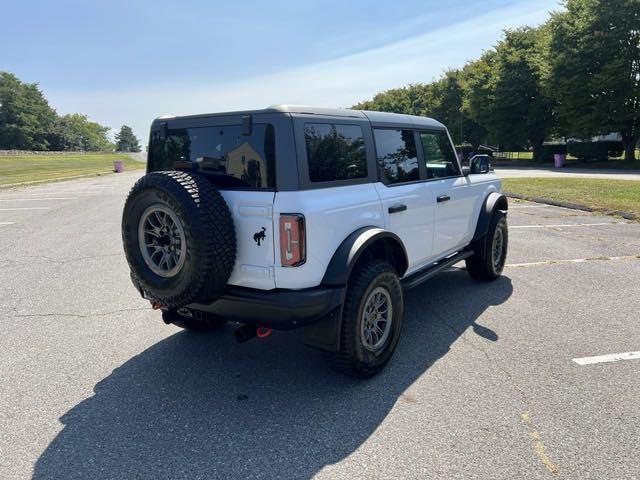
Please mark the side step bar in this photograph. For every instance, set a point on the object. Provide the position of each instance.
(429, 271)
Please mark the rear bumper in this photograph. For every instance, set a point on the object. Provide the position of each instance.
(279, 309)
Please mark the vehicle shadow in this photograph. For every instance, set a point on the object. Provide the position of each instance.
(202, 406)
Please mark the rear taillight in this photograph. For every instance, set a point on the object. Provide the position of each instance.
(292, 240)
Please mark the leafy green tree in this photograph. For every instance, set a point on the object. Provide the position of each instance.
(410, 100)
(76, 132)
(506, 91)
(595, 69)
(445, 103)
(441, 100)
(126, 141)
(25, 115)
(478, 81)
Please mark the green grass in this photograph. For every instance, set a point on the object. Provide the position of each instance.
(611, 164)
(35, 168)
(597, 193)
(519, 155)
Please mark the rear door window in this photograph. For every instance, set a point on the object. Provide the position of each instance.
(335, 152)
(397, 155)
(439, 156)
(223, 154)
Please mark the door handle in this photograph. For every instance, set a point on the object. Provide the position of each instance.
(443, 198)
(397, 208)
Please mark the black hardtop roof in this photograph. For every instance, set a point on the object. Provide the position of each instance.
(376, 118)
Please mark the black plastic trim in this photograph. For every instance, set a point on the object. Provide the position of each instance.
(433, 269)
(397, 208)
(493, 201)
(280, 309)
(349, 251)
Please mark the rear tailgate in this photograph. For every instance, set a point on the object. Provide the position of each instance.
(239, 160)
(253, 219)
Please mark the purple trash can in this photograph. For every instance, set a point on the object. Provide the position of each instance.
(118, 167)
(558, 159)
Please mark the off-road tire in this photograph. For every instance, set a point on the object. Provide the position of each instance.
(209, 238)
(481, 265)
(353, 358)
(201, 322)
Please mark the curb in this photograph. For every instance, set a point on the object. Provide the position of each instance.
(573, 206)
(51, 180)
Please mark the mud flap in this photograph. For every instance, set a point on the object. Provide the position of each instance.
(325, 334)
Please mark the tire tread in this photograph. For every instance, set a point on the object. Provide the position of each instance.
(345, 360)
(213, 235)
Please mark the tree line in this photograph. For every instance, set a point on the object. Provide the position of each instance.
(28, 122)
(575, 76)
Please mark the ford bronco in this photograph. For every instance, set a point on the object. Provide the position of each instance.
(294, 217)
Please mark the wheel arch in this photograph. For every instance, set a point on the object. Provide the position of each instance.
(494, 201)
(367, 241)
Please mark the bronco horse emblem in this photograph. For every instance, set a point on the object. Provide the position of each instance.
(259, 236)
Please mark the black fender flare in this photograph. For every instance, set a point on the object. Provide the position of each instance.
(494, 201)
(325, 334)
(347, 254)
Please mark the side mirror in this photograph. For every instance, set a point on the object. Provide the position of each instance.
(466, 171)
(479, 164)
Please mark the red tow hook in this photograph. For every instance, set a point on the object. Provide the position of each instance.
(247, 332)
(263, 332)
(156, 305)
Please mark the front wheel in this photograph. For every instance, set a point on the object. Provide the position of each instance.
(371, 321)
(490, 253)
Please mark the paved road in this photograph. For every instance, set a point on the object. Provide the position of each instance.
(514, 172)
(483, 384)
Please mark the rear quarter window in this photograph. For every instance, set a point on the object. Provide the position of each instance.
(223, 154)
(335, 152)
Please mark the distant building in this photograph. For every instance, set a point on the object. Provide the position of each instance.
(245, 163)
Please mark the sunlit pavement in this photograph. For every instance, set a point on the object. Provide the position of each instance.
(483, 385)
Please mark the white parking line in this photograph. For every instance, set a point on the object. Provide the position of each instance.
(614, 357)
(6, 223)
(573, 260)
(40, 193)
(57, 193)
(35, 199)
(568, 225)
(23, 208)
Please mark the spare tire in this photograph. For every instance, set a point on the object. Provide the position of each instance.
(179, 238)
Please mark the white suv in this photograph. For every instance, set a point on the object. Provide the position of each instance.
(307, 217)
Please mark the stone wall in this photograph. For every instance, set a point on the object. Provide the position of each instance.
(40, 152)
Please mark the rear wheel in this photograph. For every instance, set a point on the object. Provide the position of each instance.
(371, 321)
(194, 321)
(490, 253)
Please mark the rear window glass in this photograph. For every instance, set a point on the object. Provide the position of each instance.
(397, 155)
(222, 154)
(335, 152)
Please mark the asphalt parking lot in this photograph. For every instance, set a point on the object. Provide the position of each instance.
(483, 385)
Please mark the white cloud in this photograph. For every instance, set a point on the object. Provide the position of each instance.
(340, 82)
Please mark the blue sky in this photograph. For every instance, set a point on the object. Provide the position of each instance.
(128, 62)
